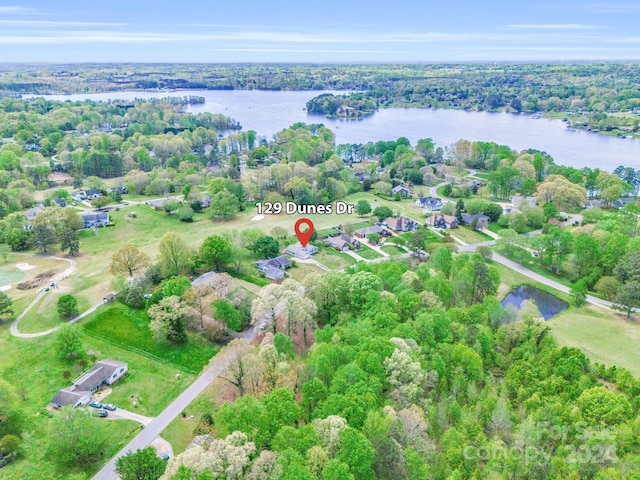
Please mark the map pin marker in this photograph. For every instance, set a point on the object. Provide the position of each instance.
(305, 236)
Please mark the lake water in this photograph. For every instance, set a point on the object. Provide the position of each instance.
(546, 303)
(269, 112)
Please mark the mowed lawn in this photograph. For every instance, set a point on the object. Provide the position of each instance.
(605, 337)
(129, 328)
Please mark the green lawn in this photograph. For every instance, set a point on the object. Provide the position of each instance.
(333, 259)
(301, 270)
(392, 250)
(605, 337)
(368, 253)
(529, 261)
(129, 328)
(495, 228)
(469, 235)
(180, 431)
(45, 315)
(10, 274)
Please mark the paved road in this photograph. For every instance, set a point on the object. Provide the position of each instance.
(158, 424)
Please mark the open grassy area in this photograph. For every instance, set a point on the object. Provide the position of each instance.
(129, 329)
(301, 270)
(333, 259)
(45, 315)
(392, 250)
(469, 235)
(529, 261)
(180, 431)
(510, 279)
(368, 253)
(605, 337)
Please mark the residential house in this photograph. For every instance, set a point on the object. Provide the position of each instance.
(478, 221)
(401, 190)
(61, 202)
(298, 251)
(157, 204)
(429, 203)
(104, 372)
(91, 220)
(204, 279)
(619, 204)
(343, 242)
(401, 224)
(70, 396)
(362, 176)
(93, 193)
(32, 212)
(274, 268)
(79, 196)
(121, 189)
(474, 185)
(443, 221)
(363, 232)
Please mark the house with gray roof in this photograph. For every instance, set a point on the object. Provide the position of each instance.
(104, 372)
(32, 212)
(274, 268)
(91, 220)
(401, 190)
(298, 251)
(478, 221)
(430, 203)
(363, 232)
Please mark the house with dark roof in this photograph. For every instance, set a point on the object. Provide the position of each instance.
(93, 193)
(478, 221)
(204, 279)
(620, 203)
(157, 204)
(443, 221)
(70, 396)
(401, 190)
(343, 242)
(79, 196)
(91, 220)
(104, 372)
(430, 203)
(61, 202)
(274, 268)
(298, 251)
(401, 224)
(363, 232)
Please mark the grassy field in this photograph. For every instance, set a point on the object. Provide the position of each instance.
(605, 337)
(392, 250)
(301, 270)
(469, 235)
(368, 253)
(180, 431)
(129, 329)
(333, 259)
(45, 314)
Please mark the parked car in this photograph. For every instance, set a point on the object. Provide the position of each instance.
(165, 457)
(103, 413)
(95, 404)
(109, 406)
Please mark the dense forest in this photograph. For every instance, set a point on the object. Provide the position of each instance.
(398, 385)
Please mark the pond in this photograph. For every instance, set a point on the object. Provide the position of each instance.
(546, 303)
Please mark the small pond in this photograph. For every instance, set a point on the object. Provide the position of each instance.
(546, 303)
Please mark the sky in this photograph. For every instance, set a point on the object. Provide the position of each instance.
(323, 31)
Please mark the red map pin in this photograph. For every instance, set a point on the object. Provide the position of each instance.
(303, 236)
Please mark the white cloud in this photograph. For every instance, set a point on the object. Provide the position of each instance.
(16, 10)
(55, 23)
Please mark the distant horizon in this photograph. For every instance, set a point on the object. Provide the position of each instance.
(337, 32)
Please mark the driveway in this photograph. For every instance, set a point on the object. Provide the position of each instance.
(122, 414)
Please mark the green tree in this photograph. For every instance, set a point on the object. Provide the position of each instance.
(77, 439)
(283, 344)
(5, 250)
(214, 251)
(356, 451)
(628, 269)
(224, 204)
(417, 240)
(374, 238)
(628, 297)
(382, 212)
(142, 464)
(5, 305)
(336, 470)
(43, 236)
(578, 293)
(607, 287)
(442, 260)
(598, 404)
(69, 241)
(69, 341)
(101, 202)
(174, 255)
(185, 214)
(67, 306)
(267, 247)
(550, 211)
(226, 313)
(128, 260)
(363, 207)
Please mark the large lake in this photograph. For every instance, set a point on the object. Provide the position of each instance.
(268, 112)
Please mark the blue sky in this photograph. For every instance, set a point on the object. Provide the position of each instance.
(326, 31)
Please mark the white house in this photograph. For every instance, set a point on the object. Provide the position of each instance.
(104, 372)
(298, 251)
(429, 203)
